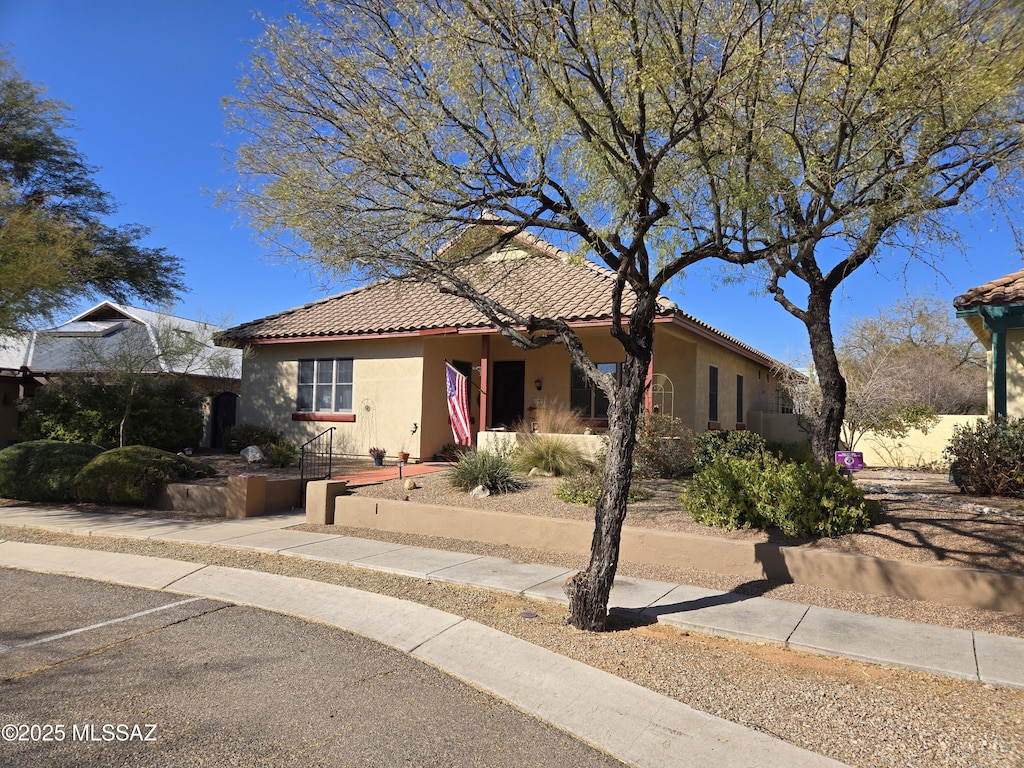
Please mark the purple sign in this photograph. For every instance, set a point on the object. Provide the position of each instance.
(852, 461)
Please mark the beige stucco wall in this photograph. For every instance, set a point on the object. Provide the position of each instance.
(1014, 373)
(386, 393)
(686, 359)
(917, 449)
(399, 383)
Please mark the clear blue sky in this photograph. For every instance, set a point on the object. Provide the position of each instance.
(146, 79)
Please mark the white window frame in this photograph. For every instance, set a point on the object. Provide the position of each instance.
(324, 385)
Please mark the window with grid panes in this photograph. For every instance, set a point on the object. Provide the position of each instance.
(325, 386)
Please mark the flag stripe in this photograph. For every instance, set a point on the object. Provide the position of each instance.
(458, 405)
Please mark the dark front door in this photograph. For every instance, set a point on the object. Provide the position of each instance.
(222, 418)
(508, 393)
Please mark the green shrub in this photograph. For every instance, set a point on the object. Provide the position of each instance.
(585, 488)
(549, 453)
(764, 492)
(493, 471)
(664, 448)
(163, 412)
(241, 436)
(739, 443)
(799, 451)
(43, 470)
(136, 474)
(281, 454)
(989, 457)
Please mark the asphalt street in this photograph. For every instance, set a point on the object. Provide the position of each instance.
(96, 674)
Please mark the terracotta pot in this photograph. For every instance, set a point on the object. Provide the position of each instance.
(403, 456)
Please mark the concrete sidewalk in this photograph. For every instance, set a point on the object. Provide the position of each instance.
(630, 722)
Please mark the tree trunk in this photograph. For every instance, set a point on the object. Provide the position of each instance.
(588, 590)
(829, 423)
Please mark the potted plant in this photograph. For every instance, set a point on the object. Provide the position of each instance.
(378, 456)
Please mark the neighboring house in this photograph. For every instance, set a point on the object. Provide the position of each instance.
(110, 334)
(371, 361)
(995, 312)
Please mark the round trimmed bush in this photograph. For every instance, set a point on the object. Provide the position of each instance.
(43, 470)
(136, 474)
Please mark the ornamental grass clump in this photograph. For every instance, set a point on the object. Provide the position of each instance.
(491, 469)
(551, 454)
(805, 500)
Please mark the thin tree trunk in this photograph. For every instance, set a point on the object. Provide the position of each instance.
(829, 424)
(588, 590)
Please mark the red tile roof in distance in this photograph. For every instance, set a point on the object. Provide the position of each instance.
(1008, 289)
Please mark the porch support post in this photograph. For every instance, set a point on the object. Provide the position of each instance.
(485, 363)
(649, 387)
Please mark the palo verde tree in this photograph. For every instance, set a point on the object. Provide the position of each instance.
(636, 134)
(380, 129)
(871, 124)
(55, 242)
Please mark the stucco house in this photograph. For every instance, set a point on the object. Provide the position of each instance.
(995, 312)
(371, 361)
(142, 337)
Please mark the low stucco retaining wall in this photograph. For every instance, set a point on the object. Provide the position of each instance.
(243, 496)
(800, 565)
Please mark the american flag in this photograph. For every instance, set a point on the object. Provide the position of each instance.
(458, 406)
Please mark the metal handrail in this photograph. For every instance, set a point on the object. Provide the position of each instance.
(316, 458)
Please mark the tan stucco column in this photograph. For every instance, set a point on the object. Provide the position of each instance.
(485, 363)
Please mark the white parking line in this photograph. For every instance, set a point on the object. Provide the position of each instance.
(51, 638)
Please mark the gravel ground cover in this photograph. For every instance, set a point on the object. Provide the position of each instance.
(861, 714)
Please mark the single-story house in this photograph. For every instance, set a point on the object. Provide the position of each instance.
(995, 312)
(141, 337)
(370, 362)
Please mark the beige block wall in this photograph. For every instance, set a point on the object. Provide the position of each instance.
(1014, 373)
(386, 393)
(917, 449)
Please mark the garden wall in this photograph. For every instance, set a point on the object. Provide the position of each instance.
(754, 561)
(243, 496)
(917, 449)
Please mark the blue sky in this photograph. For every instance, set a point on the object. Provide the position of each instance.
(146, 79)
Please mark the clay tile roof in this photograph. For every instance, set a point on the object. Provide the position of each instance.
(534, 277)
(1008, 289)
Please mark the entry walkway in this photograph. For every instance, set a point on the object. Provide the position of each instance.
(393, 472)
(633, 724)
